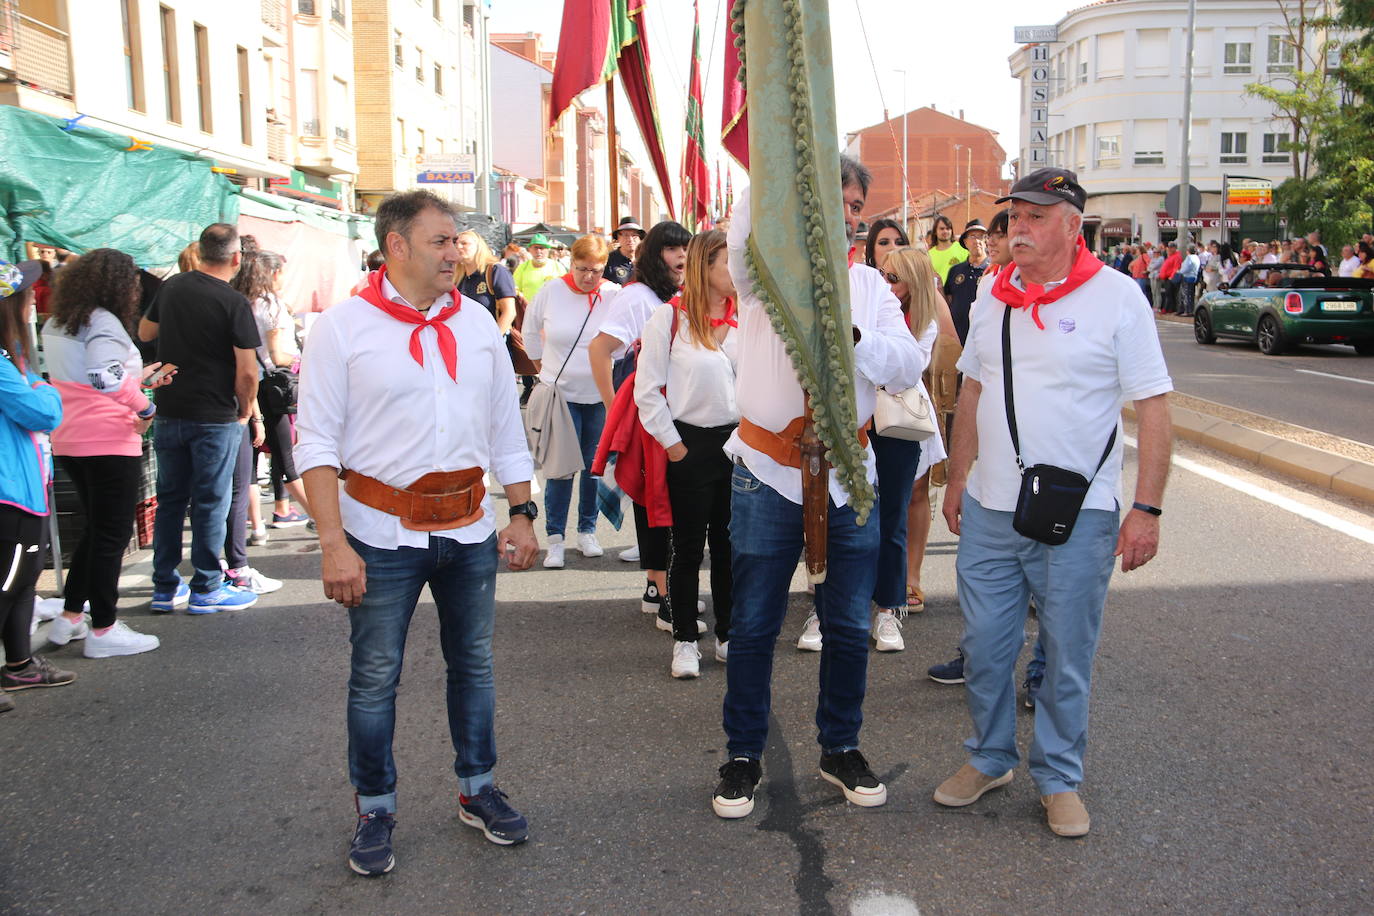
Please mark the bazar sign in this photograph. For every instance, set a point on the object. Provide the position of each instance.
(447, 170)
(1166, 222)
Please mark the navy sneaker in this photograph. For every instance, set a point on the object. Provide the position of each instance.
(166, 602)
(1032, 686)
(489, 813)
(370, 854)
(734, 795)
(224, 598)
(851, 772)
(951, 672)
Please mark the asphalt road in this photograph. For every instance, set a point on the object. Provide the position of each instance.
(1327, 388)
(1228, 769)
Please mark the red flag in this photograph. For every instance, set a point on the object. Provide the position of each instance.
(696, 179)
(734, 118)
(599, 38)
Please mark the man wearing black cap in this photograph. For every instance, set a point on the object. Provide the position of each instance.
(961, 286)
(1070, 343)
(621, 264)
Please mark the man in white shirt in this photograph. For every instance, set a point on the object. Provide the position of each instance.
(1080, 346)
(406, 395)
(766, 524)
(1349, 261)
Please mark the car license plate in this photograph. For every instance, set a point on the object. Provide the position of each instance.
(1339, 305)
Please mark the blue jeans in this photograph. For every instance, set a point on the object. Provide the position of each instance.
(896, 461)
(588, 420)
(998, 571)
(766, 542)
(462, 580)
(195, 466)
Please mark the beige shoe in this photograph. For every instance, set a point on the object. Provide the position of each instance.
(967, 786)
(1065, 814)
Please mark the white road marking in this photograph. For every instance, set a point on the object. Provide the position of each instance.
(1344, 378)
(1325, 519)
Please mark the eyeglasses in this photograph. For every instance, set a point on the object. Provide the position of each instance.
(589, 270)
(891, 278)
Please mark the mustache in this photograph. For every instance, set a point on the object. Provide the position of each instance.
(1021, 241)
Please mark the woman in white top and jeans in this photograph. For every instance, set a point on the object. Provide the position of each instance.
(563, 318)
(692, 351)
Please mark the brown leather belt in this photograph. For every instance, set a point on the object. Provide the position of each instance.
(435, 502)
(783, 447)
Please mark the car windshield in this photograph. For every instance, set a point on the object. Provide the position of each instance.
(1270, 276)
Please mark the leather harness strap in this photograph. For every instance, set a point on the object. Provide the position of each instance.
(783, 447)
(435, 502)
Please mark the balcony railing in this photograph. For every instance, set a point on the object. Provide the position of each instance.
(274, 14)
(341, 133)
(310, 128)
(42, 56)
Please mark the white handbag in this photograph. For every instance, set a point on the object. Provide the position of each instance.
(907, 415)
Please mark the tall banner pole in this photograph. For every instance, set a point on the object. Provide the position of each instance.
(612, 150)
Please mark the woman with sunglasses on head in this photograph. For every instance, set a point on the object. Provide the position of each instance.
(685, 389)
(561, 321)
(899, 462)
(30, 409)
(660, 260)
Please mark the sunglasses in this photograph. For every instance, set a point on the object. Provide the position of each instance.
(891, 278)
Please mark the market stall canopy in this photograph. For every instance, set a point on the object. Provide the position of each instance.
(81, 188)
(555, 233)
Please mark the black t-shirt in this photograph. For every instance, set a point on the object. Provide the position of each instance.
(961, 288)
(618, 268)
(201, 321)
(474, 286)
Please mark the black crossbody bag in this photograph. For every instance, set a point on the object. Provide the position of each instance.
(1051, 497)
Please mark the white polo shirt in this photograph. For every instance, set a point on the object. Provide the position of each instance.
(1098, 350)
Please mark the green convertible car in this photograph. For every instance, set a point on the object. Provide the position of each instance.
(1277, 305)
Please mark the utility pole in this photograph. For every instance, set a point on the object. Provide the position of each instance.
(1184, 198)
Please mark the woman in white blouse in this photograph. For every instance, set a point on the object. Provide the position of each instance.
(685, 389)
(563, 318)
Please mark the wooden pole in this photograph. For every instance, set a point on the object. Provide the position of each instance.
(815, 499)
(613, 149)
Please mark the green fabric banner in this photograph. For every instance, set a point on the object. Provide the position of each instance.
(798, 252)
(81, 188)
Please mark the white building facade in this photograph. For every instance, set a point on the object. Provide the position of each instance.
(1115, 112)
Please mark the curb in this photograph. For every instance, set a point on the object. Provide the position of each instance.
(1315, 466)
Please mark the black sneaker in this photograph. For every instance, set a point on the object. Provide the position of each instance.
(652, 602)
(850, 771)
(1032, 686)
(950, 672)
(39, 672)
(370, 855)
(489, 813)
(735, 794)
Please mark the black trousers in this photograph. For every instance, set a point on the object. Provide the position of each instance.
(652, 542)
(107, 487)
(23, 545)
(279, 448)
(699, 491)
(236, 533)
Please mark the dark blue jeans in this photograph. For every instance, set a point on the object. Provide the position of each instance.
(766, 542)
(462, 580)
(588, 420)
(896, 460)
(195, 467)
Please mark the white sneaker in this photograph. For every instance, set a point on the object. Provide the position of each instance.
(586, 543)
(257, 537)
(810, 639)
(62, 631)
(722, 650)
(630, 555)
(48, 608)
(256, 582)
(887, 632)
(686, 660)
(119, 640)
(554, 558)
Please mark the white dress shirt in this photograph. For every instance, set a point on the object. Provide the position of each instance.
(629, 313)
(700, 381)
(766, 387)
(554, 323)
(366, 405)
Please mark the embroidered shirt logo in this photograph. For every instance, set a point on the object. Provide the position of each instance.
(1066, 325)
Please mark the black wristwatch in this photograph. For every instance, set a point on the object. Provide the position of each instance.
(1153, 510)
(529, 510)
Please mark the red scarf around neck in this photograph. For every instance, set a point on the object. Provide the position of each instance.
(448, 344)
(729, 316)
(1034, 295)
(592, 298)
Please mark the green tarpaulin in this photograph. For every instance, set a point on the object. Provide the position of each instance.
(79, 189)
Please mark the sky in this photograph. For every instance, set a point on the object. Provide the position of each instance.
(954, 60)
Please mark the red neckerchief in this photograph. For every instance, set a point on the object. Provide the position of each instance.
(852, 249)
(448, 344)
(592, 298)
(1034, 295)
(729, 316)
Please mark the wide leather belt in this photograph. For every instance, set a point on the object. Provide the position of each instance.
(435, 502)
(783, 447)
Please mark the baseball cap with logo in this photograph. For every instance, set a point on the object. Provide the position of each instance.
(15, 278)
(1047, 187)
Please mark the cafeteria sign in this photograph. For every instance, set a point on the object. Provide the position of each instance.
(447, 170)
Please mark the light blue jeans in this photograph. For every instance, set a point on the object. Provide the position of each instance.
(998, 570)
(588, 420)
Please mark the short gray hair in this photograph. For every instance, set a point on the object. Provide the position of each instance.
(852, 171)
